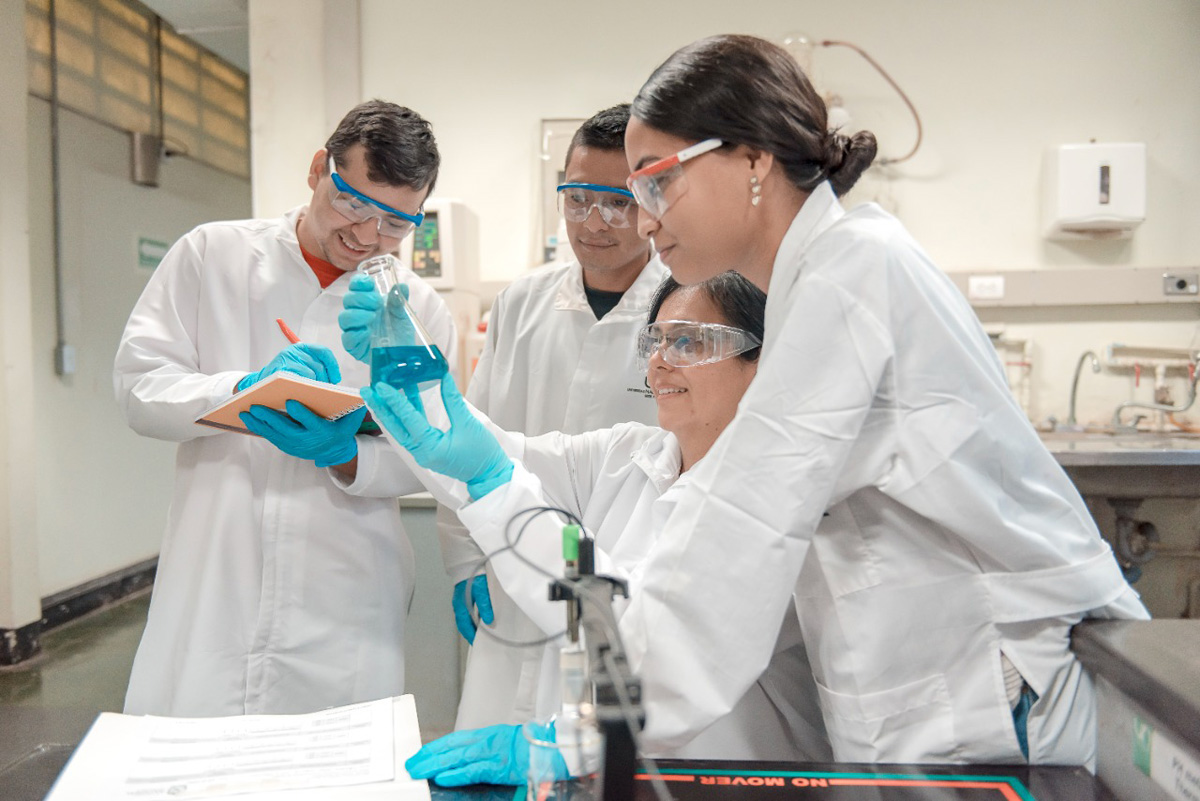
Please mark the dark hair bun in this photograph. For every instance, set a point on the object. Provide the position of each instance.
(747, 91)
(847, 158)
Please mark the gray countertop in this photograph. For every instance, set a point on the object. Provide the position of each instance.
(1154, 662)
(1123, 450)
(1134, 466)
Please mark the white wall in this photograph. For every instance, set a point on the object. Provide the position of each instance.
(1061, 335)
(304, 59)
(102, 491)
(18, 523)
(995, 83)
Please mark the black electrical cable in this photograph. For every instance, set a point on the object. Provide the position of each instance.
(511, 543)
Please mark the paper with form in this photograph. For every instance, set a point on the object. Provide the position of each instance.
(195, 758)
(360, 748)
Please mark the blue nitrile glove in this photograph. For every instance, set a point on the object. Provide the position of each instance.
(481, 597)
(305, 434)
(467, 451)
(311, 361)
(360, 306)
(491, 755)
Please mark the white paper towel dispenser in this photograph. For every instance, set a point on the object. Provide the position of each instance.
(1094, 190)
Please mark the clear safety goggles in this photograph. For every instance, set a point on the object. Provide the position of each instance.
(687, 344)
(656, 186)
(617, 207)
(357, 208)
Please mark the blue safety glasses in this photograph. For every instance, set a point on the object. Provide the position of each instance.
(617, 207)
(357, 207)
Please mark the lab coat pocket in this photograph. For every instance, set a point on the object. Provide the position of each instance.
(847, 559)
(910, 723)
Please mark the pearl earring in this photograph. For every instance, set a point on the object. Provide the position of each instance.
(755, 191)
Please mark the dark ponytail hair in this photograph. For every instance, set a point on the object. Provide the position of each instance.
(747, 91)
(740, 302)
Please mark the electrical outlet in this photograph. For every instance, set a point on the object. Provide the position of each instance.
(985, 287)
(64, 359)
(1181, 284)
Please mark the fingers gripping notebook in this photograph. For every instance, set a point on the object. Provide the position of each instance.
(328, 400)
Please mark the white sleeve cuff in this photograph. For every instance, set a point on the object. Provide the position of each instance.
(461, 555)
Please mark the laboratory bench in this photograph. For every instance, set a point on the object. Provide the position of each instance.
(1135, 466)
(749, 781)
(689, 780)
(1143, 489)
(1147, 675)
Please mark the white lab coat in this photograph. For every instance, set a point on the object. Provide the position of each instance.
(276, 592)
(953, 536)
(622, 483)
(547, 365)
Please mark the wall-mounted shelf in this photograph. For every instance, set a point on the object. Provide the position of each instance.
(1084, 286)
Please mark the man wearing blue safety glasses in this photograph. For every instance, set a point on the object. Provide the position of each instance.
(365, 212)
(280, 587)
(560, 355)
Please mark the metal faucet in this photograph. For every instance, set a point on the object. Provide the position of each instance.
(1122, 428)
(1075, 381)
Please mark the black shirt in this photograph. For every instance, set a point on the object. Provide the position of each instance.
(602, 302)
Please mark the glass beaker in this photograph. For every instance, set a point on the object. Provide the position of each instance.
(577, 748)
(403, 354)
(383, 270)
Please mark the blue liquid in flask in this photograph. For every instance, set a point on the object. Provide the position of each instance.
(406, 366)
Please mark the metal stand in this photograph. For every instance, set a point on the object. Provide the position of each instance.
(618, 693)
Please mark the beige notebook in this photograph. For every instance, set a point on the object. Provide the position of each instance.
(328, 400)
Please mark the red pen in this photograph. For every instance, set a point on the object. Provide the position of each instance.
(368, 426)
(287, 332)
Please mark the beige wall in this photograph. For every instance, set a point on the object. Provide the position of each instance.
(304, 63)
(995, 83)
(18, 521)
(102, 491)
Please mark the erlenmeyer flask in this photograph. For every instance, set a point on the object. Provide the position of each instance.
(403, 354)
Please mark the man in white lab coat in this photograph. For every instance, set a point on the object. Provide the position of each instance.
(559, 356)
(278, 591)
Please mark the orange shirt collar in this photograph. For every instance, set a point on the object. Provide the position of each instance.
(325, 272)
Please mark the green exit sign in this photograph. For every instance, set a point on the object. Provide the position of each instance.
(150, 252)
